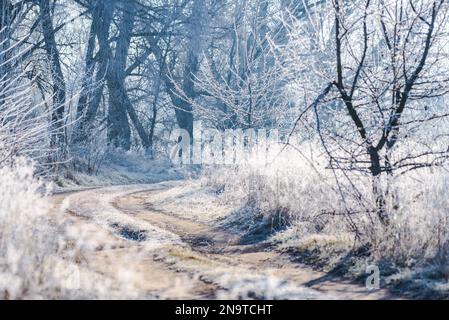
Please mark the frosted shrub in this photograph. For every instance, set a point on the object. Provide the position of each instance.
(419, 230)
(89, 155)
(25, 238)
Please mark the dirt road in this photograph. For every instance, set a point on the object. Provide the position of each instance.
(164, 238)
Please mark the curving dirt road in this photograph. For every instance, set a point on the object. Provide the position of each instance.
(164, 238)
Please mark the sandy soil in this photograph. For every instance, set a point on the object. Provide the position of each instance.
(173, 253)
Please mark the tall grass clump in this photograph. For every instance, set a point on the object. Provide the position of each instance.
(26, 240)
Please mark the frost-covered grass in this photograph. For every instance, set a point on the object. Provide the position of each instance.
(25, 243)
(298, 204)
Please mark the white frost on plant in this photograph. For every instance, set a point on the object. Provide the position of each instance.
(25, 240)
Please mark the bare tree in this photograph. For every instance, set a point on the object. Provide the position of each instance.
(380, 64)
(59, 88)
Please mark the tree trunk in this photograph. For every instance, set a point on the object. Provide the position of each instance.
(144, 137)
(376, 172)
(183, 108)
(59, 89)
(93, 85)
(157, 89)
(104, 55)
(119, 132)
